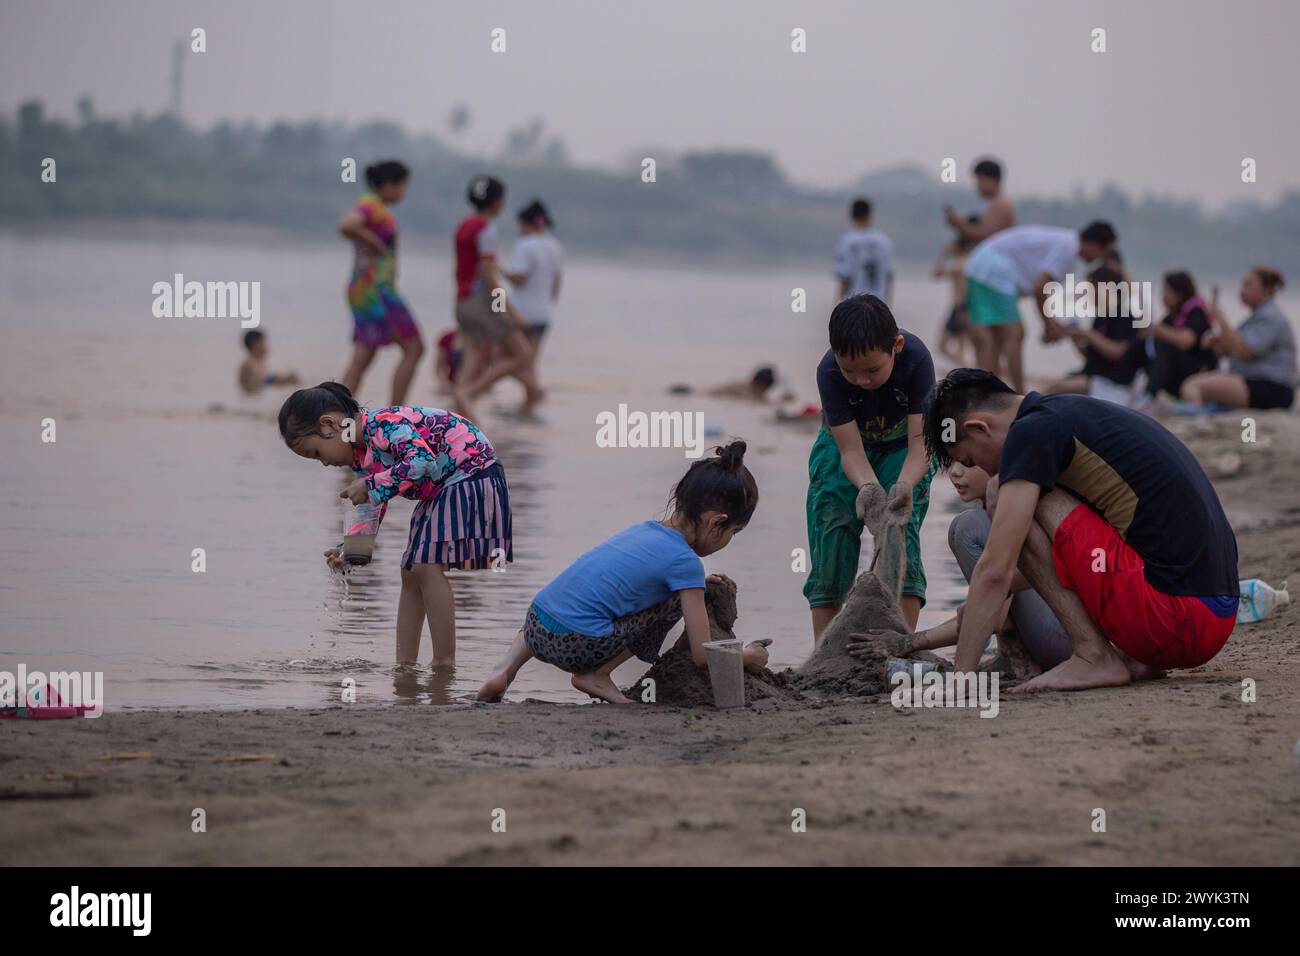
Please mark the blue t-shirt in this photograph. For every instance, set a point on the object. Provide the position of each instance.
(881, 413)
(1137, 476)
(634, 570)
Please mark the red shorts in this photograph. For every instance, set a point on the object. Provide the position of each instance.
(1160, 630)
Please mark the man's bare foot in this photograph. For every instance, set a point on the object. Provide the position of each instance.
(494, 688)
(1137, 670)
(600, 687)
(1079, 674)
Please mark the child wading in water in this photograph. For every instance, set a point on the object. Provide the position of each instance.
(379, 315)
(623, 597)
(432, 456)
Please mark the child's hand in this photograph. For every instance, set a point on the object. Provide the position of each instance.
(334, 558)
(900, 501)
(356, 492)
(871, 504)
(755, 657)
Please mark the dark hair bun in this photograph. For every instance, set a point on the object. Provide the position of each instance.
(337, 388)
(732, 456)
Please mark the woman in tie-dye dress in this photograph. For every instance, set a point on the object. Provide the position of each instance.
(379, 315)
(462, 519)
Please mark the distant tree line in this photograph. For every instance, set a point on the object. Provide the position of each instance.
(712, 205)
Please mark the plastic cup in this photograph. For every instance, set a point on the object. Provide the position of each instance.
(358, 548)
(726, 672)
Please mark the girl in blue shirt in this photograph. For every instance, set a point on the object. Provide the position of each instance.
(622, 597)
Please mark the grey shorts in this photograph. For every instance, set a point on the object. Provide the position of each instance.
(477, 321)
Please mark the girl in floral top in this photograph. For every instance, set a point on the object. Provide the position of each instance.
(431, 456)
(379, 314)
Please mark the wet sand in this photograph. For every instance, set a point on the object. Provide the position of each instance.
(1186, 772)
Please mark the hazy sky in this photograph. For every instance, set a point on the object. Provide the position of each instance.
(1186, 89)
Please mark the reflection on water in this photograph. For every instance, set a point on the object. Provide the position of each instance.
(157, 456)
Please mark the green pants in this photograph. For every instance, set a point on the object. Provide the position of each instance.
(835, 531)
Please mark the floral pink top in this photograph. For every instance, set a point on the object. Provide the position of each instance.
(415, 452)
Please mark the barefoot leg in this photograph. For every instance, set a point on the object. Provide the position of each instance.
(410, 619)
(1093, 661)
(357, 365)
(494, 688)
(412, 349)
(600, 684)
(439, 605)
(822, 615)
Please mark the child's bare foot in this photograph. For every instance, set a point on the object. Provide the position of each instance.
(599, 686)
(1079, 674)
(494, 688)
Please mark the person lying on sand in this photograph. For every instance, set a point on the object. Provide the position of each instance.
(1037, 628)
(1106, 515)
(623, 596)
(757, 388)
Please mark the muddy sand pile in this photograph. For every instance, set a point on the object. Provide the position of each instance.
(872, 605)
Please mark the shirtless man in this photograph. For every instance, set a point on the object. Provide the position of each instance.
(999, 214)
(1106, 515)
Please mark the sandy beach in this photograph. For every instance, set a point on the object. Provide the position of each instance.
(1186, 772)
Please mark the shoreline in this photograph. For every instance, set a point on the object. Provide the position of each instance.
(1186, 772)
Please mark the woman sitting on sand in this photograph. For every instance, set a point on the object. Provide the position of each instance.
(623, 597)
(1261, 351)
(1173, 351)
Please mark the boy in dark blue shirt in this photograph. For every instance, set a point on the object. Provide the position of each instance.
(869, 462)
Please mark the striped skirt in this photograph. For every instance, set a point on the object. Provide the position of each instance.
(467, 526)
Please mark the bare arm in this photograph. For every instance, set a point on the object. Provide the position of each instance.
(853, 457)
(1225, 340)
(555, 287)
(353, 227)
(995, 573)
(1182, 339)
(997, 217)
(917, 462)
(696, 616)
(490, 272)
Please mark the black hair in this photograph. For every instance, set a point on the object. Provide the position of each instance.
(252, 337)
(990, 168)
(379, 175)
(861, 324)
(764, 377)
(300, 414)
(1098, 231)
(860, 208)
(721, 483)
(1183, 284)
(1270, 279)
(535, 214)
(961, 391)
(484, 190)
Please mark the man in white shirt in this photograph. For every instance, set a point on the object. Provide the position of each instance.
(1017, 262)
(864, 261)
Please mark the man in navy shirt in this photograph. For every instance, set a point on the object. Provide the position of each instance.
(1106, 515)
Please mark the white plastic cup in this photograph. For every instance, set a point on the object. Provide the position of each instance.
(726, 672)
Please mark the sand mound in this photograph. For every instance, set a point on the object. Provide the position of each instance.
(679, 683)
(832, 671)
